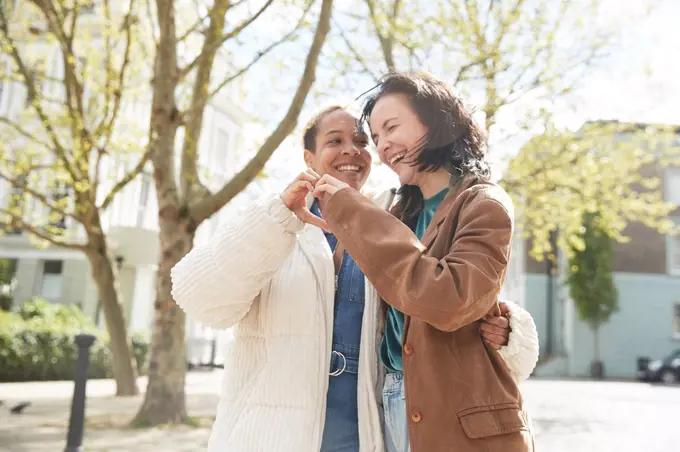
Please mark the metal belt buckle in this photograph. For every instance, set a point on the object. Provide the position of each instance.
(344, 365)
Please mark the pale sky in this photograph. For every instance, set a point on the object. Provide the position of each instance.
(642, 81)
(639, 82)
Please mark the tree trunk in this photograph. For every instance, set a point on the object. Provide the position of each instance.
(103, 274)
(597, 366)
(165, 400)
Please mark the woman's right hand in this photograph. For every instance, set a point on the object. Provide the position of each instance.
(295, 198)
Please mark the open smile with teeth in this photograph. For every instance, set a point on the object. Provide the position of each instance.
(348, 168)
(397, 157)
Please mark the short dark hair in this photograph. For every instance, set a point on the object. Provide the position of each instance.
(454, 140)
(312, 127)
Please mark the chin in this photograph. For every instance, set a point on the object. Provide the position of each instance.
(406, 179)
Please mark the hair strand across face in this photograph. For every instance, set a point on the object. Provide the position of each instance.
(454, 141)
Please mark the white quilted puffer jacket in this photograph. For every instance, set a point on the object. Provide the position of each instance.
(272, 279)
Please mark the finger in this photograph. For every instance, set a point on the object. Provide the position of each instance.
(297, 183)
(301, 187)
(493, 329)
(313, 173)
(493, 312)
(312, 219)
(328, 179)
(311, 177)
(322, 189)
(505, 309)
(495, 340)
(498, 321)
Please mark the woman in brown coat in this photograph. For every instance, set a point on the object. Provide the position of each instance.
(438, 261)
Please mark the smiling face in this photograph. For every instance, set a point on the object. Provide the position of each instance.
(340, 149)
(398, 135)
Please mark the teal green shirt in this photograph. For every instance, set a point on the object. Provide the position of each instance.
(390, 349)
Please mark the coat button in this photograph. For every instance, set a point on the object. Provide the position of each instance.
(408, 349)
(416, 417)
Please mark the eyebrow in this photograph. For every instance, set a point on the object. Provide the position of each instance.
(384, 124)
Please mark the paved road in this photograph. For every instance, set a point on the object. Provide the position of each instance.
(583, 416)
(568, 416)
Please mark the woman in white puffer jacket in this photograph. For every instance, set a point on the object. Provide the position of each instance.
(296, 320)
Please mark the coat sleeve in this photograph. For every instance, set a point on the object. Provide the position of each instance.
(216, 283)
(447, 293)
(521, 353)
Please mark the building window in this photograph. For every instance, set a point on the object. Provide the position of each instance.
(15, 205)
(2, 86)
(673, 185)
(8, 268)
(39, 74)
(52, 279)
(221, 152)
(59, 194)
(6, 5)
(673, 250)
(143, 198)
(87, 8)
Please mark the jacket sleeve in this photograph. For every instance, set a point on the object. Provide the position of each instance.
(447, 293)
(216, 283)
(521, 353)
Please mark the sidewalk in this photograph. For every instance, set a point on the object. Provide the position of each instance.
(568, 416)
(43, 425)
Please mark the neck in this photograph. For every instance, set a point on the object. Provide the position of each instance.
(433, 183)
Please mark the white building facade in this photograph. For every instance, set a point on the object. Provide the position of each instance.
(131, 221)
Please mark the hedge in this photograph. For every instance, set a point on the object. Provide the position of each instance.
(37, 343)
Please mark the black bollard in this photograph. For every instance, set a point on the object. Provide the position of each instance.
(74, 440)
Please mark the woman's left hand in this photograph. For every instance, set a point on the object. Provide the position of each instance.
(327, 186)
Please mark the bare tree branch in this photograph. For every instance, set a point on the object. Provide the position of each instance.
(154, 26)
(357, 55)
(209, 205)
(261, 54)
(235, 4)
(33, 93)
(517, 91)
(165, 117)
(44, 199)
(57, 25)
(126, 179)
(218, 42)
(109, 67)
(386, 41)
(193, 28)
(36, 231)
(193, 124)
(106, 127)
(25, 133)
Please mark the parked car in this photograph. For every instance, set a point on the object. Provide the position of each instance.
(666, 370)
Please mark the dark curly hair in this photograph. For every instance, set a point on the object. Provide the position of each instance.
(311, 128)
(454, 140)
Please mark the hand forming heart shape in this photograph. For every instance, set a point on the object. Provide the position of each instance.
(323, 187)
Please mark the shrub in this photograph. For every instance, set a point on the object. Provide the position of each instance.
(38, 343)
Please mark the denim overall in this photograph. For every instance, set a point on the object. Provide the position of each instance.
(341, 428)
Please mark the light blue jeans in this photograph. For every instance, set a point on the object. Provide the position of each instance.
(396, 423)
